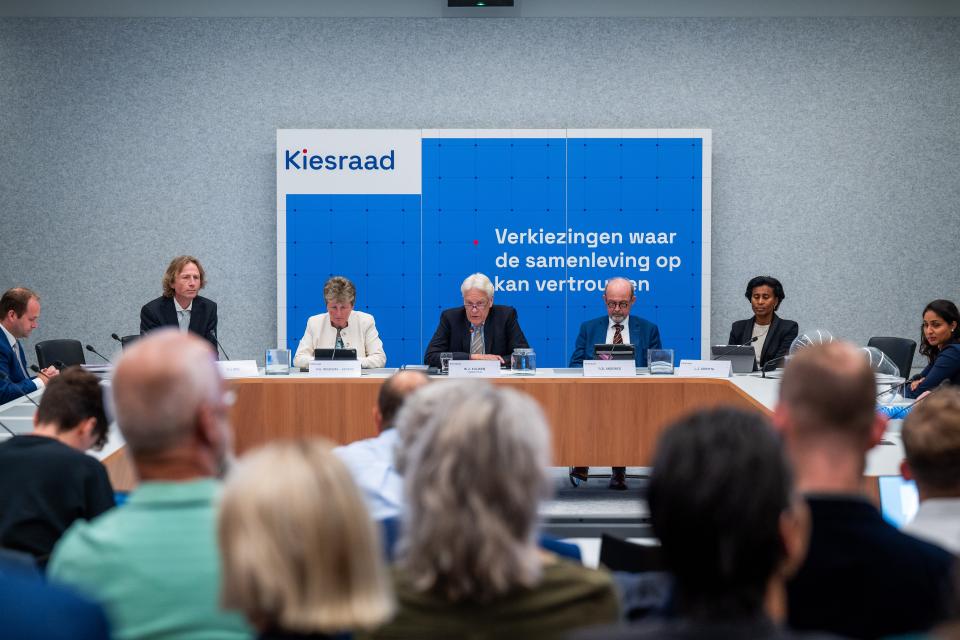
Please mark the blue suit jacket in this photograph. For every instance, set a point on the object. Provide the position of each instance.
(13, 382)
(643, 335)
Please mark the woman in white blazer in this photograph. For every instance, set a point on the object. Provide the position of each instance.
(355, 329)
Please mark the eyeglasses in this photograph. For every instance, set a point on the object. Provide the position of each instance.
(476, 306)
(618, 305)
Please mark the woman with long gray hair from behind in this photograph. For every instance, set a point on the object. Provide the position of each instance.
(469, 562)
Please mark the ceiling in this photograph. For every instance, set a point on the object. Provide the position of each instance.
(433, 8)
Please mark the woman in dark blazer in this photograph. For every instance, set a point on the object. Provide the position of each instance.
(940, 342)
(774, 334)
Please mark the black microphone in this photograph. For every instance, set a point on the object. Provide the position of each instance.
(116, 337)
(730, 348)
(22, 393)
(765, 368)
(897, 387)
(103, 357)
(213, 334)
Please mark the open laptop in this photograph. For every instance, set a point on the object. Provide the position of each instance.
(741, 357)
(614, 351)
(899, 500)
(334, 354)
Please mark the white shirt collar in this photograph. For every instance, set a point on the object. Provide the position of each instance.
(10, 339)
(176, 305)
(610, 322)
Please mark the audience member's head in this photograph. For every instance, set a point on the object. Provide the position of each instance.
(828, 408)
(931, 440)
(171, 406)
(723, 506)
(471, 530)
(393, 392)
(71, 410)
(420, 409)
(299, 551)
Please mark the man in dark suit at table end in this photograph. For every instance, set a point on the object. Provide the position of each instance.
(479, 330)
(181, 304)
(617, 327)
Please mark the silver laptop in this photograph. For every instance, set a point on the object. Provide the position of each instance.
(741, 357)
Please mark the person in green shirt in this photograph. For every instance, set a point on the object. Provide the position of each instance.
(153, 563)
(469, 564)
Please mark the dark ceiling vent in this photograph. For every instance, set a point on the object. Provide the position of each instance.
(480, 8)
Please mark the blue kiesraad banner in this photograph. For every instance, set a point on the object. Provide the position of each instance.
(548, 215)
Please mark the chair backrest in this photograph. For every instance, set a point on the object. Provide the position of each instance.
(617, 554)
(900, 350)
(126, 341)
(69, 352)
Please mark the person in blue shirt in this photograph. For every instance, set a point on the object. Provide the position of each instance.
(31, 608)
(617, 327)
(371, 461)
(940, 343)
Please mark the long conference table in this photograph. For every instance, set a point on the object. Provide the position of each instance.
(593, 421)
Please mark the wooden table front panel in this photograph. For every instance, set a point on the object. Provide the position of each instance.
(597, 422)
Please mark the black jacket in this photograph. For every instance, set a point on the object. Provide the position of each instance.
(501, 334)
(777, 343)
(162, 313)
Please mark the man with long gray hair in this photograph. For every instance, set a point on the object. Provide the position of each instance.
(469, 562)
(153, 564)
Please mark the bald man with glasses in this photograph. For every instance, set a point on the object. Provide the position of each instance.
(617, 327)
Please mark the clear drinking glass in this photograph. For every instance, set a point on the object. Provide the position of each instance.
(445, 359)
(660, 361)
(524, 361)
(277, 362)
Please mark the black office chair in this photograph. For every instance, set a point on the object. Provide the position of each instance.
(69, 352)
(899, 350)
(126, 341)
(617, 554)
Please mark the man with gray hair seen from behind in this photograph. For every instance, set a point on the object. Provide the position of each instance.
(153, 564)
(371, 461)
(469, 562)
(862, 577)
(931, 440)
(479, 330)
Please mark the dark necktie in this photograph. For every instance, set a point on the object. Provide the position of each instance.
(22, 361)
(618, 334)
(476, 339)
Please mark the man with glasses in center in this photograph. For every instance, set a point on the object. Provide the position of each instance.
(617, 327)
(479, 330)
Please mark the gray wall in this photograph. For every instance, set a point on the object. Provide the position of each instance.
(124, 142)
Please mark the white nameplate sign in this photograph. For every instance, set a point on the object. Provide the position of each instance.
(335, 368)
(238, 368)
(609, 368)
(705, 368)
(474, 368)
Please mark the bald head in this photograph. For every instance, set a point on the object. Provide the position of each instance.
(620, 287)
(160, 386)
(394, 391)
(830, 389)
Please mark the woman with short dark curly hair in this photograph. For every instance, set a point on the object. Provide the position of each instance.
(768, 334)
